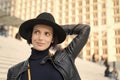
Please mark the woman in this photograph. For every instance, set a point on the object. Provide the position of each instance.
(43, 33)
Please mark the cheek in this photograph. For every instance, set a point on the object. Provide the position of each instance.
(33, 38)
(49, 40)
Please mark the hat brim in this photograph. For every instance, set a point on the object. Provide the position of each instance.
(27, 26)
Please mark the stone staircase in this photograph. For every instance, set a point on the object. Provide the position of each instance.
(5, 63)
(13, 51)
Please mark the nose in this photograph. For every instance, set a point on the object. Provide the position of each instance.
(41, 36)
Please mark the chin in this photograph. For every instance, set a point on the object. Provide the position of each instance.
(41, 49)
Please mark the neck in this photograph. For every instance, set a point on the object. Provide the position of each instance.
(36, 55)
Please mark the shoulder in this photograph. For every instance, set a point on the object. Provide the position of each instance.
(15, 70)
(17, 66)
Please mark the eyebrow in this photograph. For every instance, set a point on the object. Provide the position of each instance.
(45, 31)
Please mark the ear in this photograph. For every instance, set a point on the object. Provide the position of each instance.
(52, 41)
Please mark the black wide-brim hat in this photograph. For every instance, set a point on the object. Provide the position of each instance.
(46, 19)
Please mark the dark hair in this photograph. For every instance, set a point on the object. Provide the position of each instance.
(29, 41)
(55, 39)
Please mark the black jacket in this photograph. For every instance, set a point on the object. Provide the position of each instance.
(63, 60)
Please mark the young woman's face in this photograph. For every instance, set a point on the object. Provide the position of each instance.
(42, 37)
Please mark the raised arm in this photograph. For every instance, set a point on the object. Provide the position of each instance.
(82, 31)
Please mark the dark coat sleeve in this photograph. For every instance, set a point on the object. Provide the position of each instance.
(82, 33)
(9, 74)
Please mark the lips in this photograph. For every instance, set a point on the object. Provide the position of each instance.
(39, 43)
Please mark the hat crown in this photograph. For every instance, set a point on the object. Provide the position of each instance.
(46, 16)
(45, 19)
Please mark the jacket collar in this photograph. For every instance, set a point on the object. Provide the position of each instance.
(44, 60)
(24, 67)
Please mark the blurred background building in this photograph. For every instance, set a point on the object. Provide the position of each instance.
(102, 15)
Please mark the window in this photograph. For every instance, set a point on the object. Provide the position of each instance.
(73, 5)
(80, 18)
(117, 19)
(95, 15)
(80, 2)
(116, 2)
(96, 43)
(118, 50)
(104, 5)
(94, 0)
(87, 9)
(95, 22)
(104, 42)
(117, 40)
(88, 52)
(104, 34)
(103, 14)
(87, 16)
(96, 51)
(94, 7)
(117, 32)
(80, 10)
(105, 51)
(88, 44)
(103, 21)
(116, 11)
(87, 1)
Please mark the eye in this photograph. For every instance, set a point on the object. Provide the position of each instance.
(48, 34)
(35, 32)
